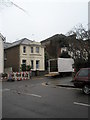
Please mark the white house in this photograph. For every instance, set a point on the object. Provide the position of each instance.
(1, 53)
(26, 52)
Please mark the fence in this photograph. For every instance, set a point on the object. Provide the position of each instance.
(19, 76)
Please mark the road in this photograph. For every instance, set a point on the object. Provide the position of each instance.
(32, 99)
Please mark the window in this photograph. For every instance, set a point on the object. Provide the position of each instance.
(37, 49)
(5, 55)
(37, 64)
(83, 73)
(24, 49)
(32, 64)
(31, 49)
(24, 62)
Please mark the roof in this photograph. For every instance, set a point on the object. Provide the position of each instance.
(23, 41)
(54, 37)
(6, 45)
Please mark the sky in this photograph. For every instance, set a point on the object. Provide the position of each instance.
(41, 19)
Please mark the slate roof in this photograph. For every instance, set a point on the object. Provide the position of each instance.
(23, 41)
(54, 37)
(6, 45)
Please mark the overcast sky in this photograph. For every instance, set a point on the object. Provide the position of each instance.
(42, 18)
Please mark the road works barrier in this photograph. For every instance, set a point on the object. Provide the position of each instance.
(19, 76)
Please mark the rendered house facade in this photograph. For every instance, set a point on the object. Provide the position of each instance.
(26, 52)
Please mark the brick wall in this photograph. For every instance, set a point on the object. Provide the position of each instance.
(12, 58)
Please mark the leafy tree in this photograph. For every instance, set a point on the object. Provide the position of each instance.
(47, 57)
(28, 67)
(23, 67)
(80, 63)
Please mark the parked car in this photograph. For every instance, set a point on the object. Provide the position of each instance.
(82, 80)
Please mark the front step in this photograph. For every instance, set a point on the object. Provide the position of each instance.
(52, 74)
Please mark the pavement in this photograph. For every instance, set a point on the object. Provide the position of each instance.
(61, 81)
(54, 81)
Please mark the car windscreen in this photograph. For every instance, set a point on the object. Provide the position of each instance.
(84, 73)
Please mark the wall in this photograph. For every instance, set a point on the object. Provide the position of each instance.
(12, 59)
(1, 55)
(28, 56)
(89, 15)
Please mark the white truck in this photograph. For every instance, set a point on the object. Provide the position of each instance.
(60, 66)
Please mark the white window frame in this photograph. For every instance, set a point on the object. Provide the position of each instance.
(32, 50)
(37, 65)
(24, 49)
(37, 49)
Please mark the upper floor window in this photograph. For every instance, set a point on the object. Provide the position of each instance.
(24, 49)
(37, 49)
(5, 55)
(31, 49)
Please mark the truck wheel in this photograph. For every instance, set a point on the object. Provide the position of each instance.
(86, 89)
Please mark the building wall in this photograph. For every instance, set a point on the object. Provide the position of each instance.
(1, 55)
(28, 56)
(12, 58)
(89, 15)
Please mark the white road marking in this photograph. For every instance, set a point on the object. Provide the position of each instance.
(70, 88)
(74, 88)
(6, 89)
(32, 95)
(83, 104)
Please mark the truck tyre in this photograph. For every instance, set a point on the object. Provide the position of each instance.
(86, 89)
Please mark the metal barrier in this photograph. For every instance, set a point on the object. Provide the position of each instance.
(19, 75)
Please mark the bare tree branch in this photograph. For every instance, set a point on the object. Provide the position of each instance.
(8, 3)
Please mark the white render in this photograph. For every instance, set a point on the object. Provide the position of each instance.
(1, 54)
(28, 56)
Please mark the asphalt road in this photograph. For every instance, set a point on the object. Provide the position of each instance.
(32, 99)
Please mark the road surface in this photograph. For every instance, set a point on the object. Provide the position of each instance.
(32, 99)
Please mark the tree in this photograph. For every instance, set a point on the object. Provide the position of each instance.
(65, 54)
(47, 57)
(9, 3)
(28, 68)
(80, 31)
(23, 67)
(82, 42)
(80, 63)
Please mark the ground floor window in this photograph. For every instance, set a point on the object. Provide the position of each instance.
(37, 64)
(32, 65)
(24, 62)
